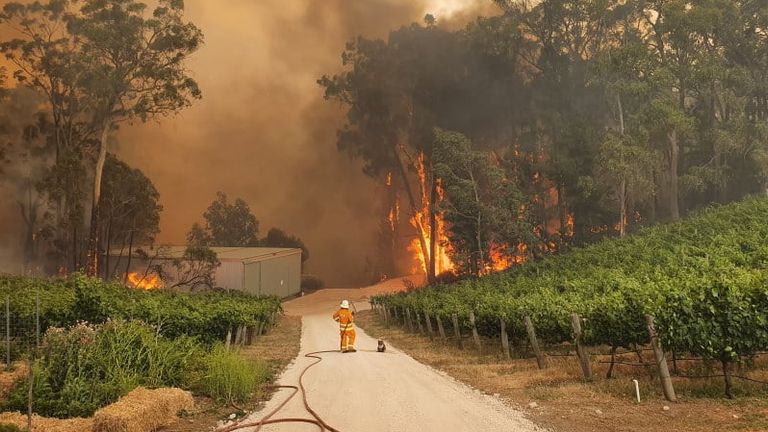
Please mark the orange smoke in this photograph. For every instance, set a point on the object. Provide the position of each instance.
(149, 282)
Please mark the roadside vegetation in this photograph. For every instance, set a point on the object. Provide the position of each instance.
(100, 341)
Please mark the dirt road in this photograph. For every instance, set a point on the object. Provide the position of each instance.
(373, 392)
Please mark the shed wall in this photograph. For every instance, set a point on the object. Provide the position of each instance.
(229, 275)
(279, 276)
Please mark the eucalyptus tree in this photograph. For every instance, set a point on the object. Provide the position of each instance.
(102, 63)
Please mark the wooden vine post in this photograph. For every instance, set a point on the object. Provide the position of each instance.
(475, 335)
(386, 316)
(456, 331)
(504, 339)
(418, 321)
(408, 319)
(440, 328)
(581, 351)
(531, 330)
(661, 361)
(430, 331)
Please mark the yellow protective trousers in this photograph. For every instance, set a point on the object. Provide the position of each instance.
(348, 339)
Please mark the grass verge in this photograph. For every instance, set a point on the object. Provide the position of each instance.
(558, 399)
(267, 357)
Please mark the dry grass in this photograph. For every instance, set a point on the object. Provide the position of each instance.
(278, 348)
(9, 378)
(143, 410)
(42, 424)
(565, 403)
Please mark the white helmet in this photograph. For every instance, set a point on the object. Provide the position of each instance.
(345, 304)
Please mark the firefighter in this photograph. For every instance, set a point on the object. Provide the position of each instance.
(346, 319)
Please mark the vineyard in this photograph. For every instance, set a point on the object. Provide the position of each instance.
(704, 280)
(208, 316)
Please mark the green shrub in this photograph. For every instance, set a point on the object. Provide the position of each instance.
(230, 378)
(9, 428)
(85, 367)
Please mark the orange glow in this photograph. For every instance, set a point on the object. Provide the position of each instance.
(149, 282)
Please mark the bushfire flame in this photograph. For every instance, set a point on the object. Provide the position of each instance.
(420, 221)
(148, 282)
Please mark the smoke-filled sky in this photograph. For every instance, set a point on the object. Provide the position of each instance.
(262, 131)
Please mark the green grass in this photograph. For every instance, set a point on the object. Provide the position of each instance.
(230, 378)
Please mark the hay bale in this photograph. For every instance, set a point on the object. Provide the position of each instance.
(143, 410)
(43, 424)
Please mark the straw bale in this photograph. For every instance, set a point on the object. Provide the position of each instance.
(43, 424)
(143, 410)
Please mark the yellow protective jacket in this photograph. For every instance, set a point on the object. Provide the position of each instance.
(345, 318)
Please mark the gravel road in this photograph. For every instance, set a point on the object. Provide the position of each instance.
(373, 392)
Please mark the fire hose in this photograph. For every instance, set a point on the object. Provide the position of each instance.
(319, 422)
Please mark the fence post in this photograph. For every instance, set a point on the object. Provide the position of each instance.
(440, 328)
(386, 316)
(531, 330)
(429, 327)
(229, 338)
(409, 320)
(661, 361)
(504, 338)
(397, 318)
(418, 321)
(261, 328)
(475, 335)
(37, 322)
(8, 332)
(456, 330)
(586, 366)
(29, 393)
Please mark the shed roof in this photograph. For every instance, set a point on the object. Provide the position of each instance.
(244, 254)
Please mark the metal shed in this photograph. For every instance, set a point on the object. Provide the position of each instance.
(255, 270)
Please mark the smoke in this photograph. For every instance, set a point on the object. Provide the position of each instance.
(262, 131)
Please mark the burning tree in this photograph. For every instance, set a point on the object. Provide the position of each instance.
(390, 123)
(481, 205)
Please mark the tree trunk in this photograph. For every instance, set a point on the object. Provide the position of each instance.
(108, 238)
(432, 232)
(92, 268)
(479, 221)
(412, 202)
(75, 249)
(130, 255)
(623, 208)
(623, 185)
(673, 160)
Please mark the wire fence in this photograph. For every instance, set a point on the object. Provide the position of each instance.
(21, 334)
(21, 337)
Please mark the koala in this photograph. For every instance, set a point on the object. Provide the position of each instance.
(381, 347)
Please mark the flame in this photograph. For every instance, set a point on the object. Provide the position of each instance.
(148, 282)
(420, 221)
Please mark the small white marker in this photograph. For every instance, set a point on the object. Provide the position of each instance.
(637, 390)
